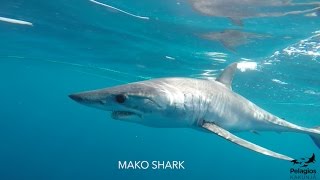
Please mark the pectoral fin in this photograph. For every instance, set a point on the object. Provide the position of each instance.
(230, 137)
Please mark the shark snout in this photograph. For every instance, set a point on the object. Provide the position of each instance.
(89, 99)
(76, 97)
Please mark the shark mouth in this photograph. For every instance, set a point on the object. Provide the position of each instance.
(123, 114)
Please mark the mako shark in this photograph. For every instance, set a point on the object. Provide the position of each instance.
(200, 104)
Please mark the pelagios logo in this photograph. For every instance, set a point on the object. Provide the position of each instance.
(301, 168)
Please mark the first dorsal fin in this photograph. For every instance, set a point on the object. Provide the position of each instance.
(226, 76)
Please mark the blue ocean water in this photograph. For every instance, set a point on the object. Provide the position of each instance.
(79, 45)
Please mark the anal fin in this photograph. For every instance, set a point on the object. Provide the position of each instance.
(235, 139)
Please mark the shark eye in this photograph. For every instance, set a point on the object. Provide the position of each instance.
(120, 98)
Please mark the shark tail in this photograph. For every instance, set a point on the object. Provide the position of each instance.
(316, 136)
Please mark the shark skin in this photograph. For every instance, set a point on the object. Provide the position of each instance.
(198, 104)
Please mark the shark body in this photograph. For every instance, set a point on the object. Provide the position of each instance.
(192, 103)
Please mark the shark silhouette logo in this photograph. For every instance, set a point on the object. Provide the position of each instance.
(302, 169)
(304, 162)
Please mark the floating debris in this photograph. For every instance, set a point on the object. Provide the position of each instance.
(278, 81)
(119, 10)
(15, 21)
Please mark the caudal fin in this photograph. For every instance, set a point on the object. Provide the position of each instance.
(316, 136)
